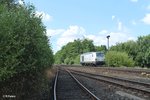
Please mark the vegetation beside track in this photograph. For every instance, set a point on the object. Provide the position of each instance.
(24, 45)
(130, 53)
(29, 86)
(116, 58)
(138, 50)
(25, 51)
(70, 53)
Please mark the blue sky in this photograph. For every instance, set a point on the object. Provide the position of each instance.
(66, 20)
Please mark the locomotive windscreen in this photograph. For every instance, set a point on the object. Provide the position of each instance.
(99, 54)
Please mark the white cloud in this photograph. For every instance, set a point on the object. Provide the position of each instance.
(134, 0)
(63, 36)
(45, 16)
(113, 17)
(120, 25)
(146, 19)
(115, 37)
(73, 31)
(103, 32)
(21, 2)
(52, 32)
(148, 7)
(97, 39)
(69, 35)
(133, 22)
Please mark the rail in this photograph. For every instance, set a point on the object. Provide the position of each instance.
(84, 88)
(56, 77)
(93, 97)
(145, 90)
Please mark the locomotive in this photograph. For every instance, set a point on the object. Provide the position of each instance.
(92, 58)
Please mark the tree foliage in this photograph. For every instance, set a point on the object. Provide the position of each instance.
(23, 42)
(101, 48)
(70, 53)
(143, 54)
(134, 52)
(138, 50)
(130, 47)
(118, 59)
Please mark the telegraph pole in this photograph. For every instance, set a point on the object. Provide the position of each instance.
(108, 41)
(108, 46)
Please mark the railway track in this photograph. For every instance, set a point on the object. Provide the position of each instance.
(125, 83)
(132, 70)
(67, 87)
(125, 70)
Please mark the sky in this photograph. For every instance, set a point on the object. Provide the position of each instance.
(67, 20)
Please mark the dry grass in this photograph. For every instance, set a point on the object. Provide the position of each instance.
(50, 73)
(35, 86)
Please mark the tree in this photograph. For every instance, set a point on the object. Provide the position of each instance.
(87, 46)
(138, 50)
(23, 42)
(118, 59)
(130, 47)
(143, 55)
(101, 48)
(70, 53)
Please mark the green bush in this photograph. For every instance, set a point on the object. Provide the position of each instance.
(143, 54)
(66, 61)
(118, 59)
(23, 42)
(77, 60)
